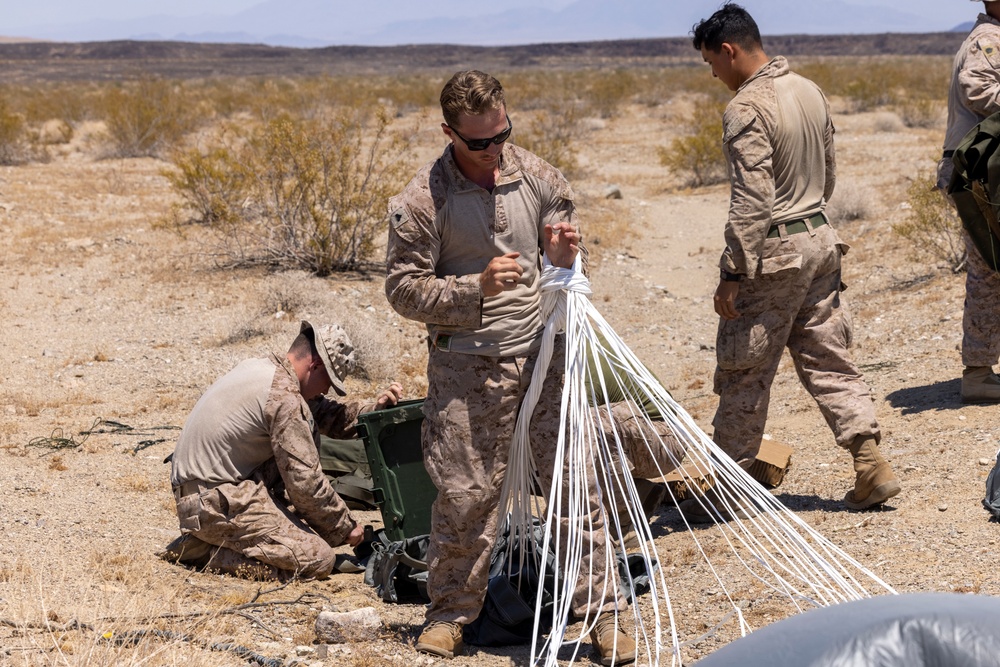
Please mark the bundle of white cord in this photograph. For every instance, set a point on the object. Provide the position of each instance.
(775, 547)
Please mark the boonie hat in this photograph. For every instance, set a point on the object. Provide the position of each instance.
(335, 350)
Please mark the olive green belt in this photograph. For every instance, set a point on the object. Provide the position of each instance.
(797, 226)
(194, 486)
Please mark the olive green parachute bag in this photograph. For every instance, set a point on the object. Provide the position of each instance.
(975, 187)
(346, 466)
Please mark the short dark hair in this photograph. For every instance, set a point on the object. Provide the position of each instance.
(304, 345)
(730, 24)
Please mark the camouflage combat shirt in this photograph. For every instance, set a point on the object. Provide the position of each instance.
(975, 81)
(256, 413)
(445, 229)
(778, 141)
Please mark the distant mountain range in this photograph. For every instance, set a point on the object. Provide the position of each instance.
(313, 23)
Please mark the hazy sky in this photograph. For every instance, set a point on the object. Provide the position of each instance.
(18, 16)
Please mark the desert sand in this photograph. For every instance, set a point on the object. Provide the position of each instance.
(113, 324)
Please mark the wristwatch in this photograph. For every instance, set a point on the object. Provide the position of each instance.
(731, 277)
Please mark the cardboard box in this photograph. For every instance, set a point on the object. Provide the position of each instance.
(769, 467)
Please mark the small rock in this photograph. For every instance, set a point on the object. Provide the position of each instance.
(350, 626)
(985, 462)
(303, 651)
(612, 192)
(942, 507)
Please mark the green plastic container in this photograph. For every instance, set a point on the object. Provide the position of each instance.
(403, 491)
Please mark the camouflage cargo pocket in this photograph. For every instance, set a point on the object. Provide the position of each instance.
(188, 509)
(740, 347)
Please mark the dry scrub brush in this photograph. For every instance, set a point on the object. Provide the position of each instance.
(146, 118)
(13, 136)
(932, 226)
(296, 193)
(553, 135)
(913, 85)
(851, 201)
(697, 155)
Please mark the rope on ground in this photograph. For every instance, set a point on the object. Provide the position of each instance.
(57, 440)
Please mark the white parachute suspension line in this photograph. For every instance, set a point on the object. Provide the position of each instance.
(776, 526)
(784, 552)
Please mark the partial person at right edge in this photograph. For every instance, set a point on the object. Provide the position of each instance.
(780, 285)
(975, 95)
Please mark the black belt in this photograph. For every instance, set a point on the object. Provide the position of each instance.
(797, 226)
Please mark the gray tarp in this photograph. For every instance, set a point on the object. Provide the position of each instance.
(911, 630)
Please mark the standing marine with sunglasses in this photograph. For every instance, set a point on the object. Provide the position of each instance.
(464, 257)
(780, 284)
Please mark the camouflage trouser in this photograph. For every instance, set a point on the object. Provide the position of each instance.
(470, 413)
(794, 303)
(249, 521)
(981, 319)
(650, 448)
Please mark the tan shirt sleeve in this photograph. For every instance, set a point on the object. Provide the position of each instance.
(338, 420)
(297, 458)
(748, 150)
(979, 78)
(412, 285)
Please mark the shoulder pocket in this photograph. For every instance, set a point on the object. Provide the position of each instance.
(745, 137)
(403, 225)
(990, 51)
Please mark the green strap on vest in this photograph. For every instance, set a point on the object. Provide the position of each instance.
(346, 466)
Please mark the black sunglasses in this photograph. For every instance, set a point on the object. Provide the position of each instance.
(483, 144)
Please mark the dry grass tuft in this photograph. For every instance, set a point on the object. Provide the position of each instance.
(851, 201)
(138, 483)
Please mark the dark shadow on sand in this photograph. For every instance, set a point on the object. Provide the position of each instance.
(938, 396)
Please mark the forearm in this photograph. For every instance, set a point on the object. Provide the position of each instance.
(337, 420)
(454, 301)
(749, 220)
(314, 499)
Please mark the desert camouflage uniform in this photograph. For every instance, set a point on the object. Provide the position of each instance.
(975, 95)
(650, 446)
(244, 511)
(444, 231)
(791, 294)
(651, 449)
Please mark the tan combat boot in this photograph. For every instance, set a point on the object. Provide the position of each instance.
(980, 385)
(875, 481)
(187, 550)
(613, 647)
(441, 638)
